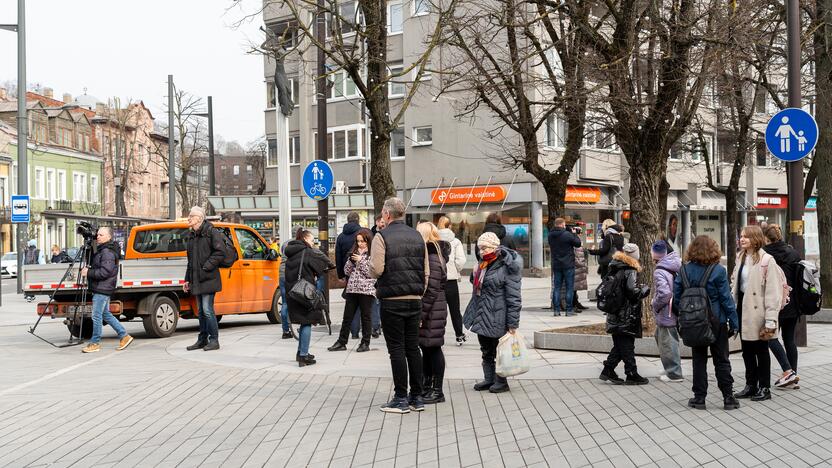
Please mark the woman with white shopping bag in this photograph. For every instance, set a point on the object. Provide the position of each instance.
(495, 305)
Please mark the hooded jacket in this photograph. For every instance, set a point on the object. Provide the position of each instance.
(627, 321)
(611, 243)
(497, 307)
(723, 306)
(315, 263)
(562, 244)
(786, 258)
(205, 252)
(103, 269)
(500, 231)
(434, 304)
(343, 246)
(663, 277)
(457, 259)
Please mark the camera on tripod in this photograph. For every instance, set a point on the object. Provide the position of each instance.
(87, 230)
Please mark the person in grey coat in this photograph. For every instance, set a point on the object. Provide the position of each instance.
(495, 305)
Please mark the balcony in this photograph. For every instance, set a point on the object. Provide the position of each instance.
(60, 205)
(5, 214)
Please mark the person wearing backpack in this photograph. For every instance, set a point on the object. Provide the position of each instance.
(667, 335)
(206, 252)
(758, 286)
(612, 242)
(624, 321)
(702, 270)
(787, 259)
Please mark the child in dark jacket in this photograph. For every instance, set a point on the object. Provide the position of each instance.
(625, 325)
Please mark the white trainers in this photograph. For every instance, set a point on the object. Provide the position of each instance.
(665, 378)
(788, 378)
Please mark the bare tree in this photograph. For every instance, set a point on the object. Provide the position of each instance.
(120, 147)
(256, 158)
(356, 43)
(524, 61)
(822, 48)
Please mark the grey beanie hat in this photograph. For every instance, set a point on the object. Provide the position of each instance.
(631, 250)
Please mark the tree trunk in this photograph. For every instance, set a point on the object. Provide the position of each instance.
(732, 224)
(645, 206)
(381, 179)
(823, 151)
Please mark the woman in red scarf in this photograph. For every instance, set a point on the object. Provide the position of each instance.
(495, 304)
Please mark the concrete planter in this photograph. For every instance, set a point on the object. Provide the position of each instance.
(549, 339)
(823, 316)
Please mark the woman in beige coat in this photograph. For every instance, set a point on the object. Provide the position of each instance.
(757, 286)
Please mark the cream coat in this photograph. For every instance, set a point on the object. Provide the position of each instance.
(762, 296)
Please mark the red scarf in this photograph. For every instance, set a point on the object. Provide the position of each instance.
(479, 273)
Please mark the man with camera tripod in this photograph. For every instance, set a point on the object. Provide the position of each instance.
(102, 273)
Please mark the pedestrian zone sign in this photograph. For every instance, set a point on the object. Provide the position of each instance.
(318, 180)
(791, 134)
(20, 208)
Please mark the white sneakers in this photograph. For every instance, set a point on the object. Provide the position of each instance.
(789, 378)
(665, 378)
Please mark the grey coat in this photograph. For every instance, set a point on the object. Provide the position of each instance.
(497, 307)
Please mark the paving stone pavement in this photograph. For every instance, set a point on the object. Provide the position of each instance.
(150, 406)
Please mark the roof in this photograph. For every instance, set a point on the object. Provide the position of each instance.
(54, 112)
(85, 100)
(11, 106)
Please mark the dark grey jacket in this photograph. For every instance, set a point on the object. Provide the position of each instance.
(627, 320)
(205, 252)
(497, 307)
(103, 269)
(434, 303)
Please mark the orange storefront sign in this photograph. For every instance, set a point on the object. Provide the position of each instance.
(496, 193)
(583, 194)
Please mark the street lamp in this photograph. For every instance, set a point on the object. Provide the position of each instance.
(22, 129)
(212, 186)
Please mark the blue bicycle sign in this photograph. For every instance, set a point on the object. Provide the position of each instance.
(318, 180)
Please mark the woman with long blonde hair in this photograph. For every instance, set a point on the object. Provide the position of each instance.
(758, 292)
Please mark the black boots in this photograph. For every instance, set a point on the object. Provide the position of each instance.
(488, 377)
(747, 392)
(635, 379)
(731, 403)
(212, 345)
(762, 394)
(363, 347)
(338, 346)
(609, 375)
(307, 360)
(500, 385)
(287, 335)
(198, 345)
(434, 394)
(297, 356)
(697, 403)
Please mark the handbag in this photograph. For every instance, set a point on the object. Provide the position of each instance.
(305, 292)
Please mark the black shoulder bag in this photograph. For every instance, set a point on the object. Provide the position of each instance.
(305, 292)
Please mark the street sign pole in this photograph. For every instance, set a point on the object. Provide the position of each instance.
(322, 91)
(171, 154)
(22, 135)
(795, 168)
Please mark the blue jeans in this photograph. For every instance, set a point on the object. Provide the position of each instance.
(208, 328)
(284, 308)
(558, 279)
(101, 312)
(305, 336)
(376, 318)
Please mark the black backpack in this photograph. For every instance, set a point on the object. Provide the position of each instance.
(611, 293)
(694, 310)
(228, 250)
(806, 294)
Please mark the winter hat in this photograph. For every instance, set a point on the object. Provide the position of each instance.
(197, 210)
(488, 240)
(631, 250)
(659, 249)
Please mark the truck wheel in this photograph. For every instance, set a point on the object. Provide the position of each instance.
(274, 314)
(85, 328)
(161, 323)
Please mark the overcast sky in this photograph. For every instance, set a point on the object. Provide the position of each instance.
(127, 49)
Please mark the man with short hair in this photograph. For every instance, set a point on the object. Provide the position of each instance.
(399, 261)
(202, 276)
(102, 275)
(344, 243)
(562, 243)
(378, 226)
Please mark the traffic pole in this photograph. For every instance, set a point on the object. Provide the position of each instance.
(22, 136)
(322, 91)
(171, 154)
(212, 184)
(795, 169)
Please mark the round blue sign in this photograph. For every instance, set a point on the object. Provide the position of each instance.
(791, 134)
(318, 180)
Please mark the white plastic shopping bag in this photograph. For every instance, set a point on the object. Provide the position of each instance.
(512, 355)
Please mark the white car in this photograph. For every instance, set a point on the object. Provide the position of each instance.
(8, 265)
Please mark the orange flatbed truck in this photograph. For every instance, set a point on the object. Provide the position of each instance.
(150, 279)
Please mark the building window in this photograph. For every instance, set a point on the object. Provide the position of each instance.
(236, 170)
(342, 142)
(762, 154)
(60, 188)
(422, 136)
(79, 186)
(342, 86)
(248, 187)
(421, 7)
(397, 143)
(94, 189)
(294, 149)
(556, 131)
(50, 184)
(396, 85)
(286, 34)
(427, 75)
(349, 18)
(270, 95)
(40, 191)
(86, 143)
(395, 21)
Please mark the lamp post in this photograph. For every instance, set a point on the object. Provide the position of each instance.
(22, 130)
(212, 185)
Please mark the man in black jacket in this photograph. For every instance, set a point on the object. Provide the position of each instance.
(102, 275)
(202, 277)
(562, 243)
(344, 243)
(399, 261)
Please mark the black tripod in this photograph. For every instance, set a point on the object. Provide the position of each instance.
(82, 259)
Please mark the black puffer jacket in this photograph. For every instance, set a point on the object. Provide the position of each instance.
(103, 269)
(612, 242)
(627, 321)
(434, 304)
(205, 252)
(343, 246)
(562, 245)
(497, 307)
(786, 258)
(315, 263)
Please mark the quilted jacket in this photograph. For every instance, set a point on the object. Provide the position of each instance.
(497, 307)
(627, 321)
(434, 304)
(359, 279)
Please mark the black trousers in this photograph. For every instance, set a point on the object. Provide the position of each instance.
(433, 362)
(354, 303)
(623, 349)
(757, 363)
(787, 329)
(452, 296)
(488, 347)
(722, 365)
(400, 320)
